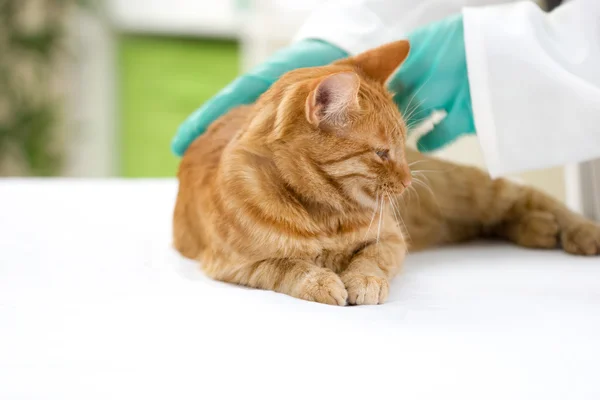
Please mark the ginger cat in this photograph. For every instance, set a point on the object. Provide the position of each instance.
(306, 193)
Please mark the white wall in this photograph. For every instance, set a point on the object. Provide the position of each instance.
(185, 17)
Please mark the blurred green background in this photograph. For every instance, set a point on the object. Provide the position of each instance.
(161, 81)
(95, 88)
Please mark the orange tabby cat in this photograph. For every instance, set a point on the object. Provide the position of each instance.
(300, 193)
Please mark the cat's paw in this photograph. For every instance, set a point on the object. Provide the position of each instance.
(364, 289)
(322, 286)
(581, 238)
(536, 229)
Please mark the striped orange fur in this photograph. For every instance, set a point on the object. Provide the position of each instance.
(305, 191)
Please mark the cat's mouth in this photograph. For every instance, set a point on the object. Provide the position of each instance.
(395, 188)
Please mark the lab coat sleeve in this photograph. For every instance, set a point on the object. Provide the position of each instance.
(359, 25)
(535, 83)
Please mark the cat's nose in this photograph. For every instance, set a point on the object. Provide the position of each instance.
(405, 176)
(406, 181)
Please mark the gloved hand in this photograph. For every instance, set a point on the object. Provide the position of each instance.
(433, 77)
(248, 87)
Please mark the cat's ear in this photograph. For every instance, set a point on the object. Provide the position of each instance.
(381, 62)
(333, 98)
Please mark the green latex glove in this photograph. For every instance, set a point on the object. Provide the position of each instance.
(434, 77)
(248, 87)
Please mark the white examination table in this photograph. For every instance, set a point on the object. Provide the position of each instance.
(95, 304)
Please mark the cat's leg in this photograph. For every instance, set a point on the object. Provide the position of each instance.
(537, 220)
(299, 278)
(462, 202)
(369, 271)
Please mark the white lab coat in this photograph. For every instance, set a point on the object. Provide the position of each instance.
(534, 76)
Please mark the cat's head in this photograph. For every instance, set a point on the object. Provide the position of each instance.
(335, 131)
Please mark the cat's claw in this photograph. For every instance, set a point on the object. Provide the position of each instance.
(323, 287)
(364, 289)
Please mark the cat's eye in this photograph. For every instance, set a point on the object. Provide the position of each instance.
(383, 154)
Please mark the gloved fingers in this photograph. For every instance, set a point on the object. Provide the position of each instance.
(243, 90)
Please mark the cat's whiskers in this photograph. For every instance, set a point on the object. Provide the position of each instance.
(452, 168)
(422, 175)
(421, 171)
(411, 189)
(409, 196)
(417, 181)
(380, 220)
(404, 194)
(415, 122)
(410, 126)
(417, 162)
(393, 209)
(416, 192)
(372, 217)
(423, 184)
(410, 113)
(428, 112)
(398, 216)
(414, 174)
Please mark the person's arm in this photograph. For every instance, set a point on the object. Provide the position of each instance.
(534, 79)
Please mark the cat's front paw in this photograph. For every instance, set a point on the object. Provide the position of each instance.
(581, 238)
(365, 289)
(322, 286)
